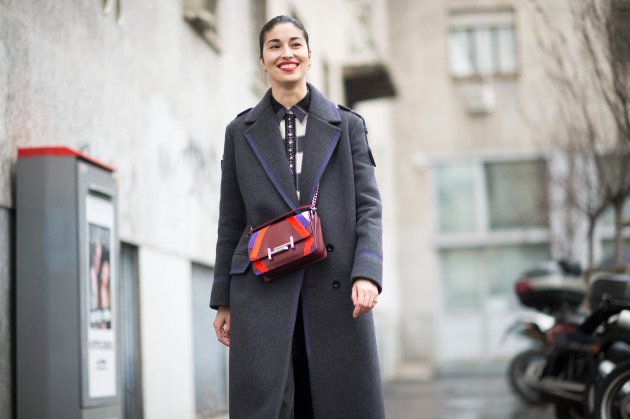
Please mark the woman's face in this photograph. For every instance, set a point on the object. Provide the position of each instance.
(285, 56)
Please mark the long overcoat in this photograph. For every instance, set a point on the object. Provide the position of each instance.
(256, 186)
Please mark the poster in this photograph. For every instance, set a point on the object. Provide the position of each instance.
(99, 286)
(100, 289)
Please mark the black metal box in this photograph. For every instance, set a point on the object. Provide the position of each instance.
(551, 286)
(614, 288)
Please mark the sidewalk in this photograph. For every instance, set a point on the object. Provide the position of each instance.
(458, 395)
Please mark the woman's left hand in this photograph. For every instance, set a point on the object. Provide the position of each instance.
(364, 296)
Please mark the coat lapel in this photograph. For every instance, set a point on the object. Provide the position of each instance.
(320, 141)
(322, 136)
(264, 138)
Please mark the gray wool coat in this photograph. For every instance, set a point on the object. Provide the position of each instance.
(256, 186)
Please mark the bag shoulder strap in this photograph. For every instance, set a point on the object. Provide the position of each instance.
(314, 201)
(280, 218)
(287, 214)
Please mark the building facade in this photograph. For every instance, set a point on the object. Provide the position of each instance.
(477, 168)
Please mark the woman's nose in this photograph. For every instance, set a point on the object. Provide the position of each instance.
(286, 52)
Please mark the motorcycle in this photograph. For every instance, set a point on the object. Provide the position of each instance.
(555, 289)
(608, 394)
(577, 355)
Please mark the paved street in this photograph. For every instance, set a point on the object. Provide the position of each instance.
(458, 396)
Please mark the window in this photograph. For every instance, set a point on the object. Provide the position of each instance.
(483, 206)
(491, 195)
(202, 16)
(360, 29)
(210, 357)
(608, 251)
(456, 197)
(516, 194)
(606, 233)
(608, 217)
(475, 277)
(482, 44)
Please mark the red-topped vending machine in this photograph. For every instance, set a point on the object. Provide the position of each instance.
(67, 336)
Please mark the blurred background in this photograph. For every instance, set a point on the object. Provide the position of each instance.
(499, 127)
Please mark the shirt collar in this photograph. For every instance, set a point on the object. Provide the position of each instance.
(300, 109)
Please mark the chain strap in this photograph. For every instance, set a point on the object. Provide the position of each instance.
(314, 201)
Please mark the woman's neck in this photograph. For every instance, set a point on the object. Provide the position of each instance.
(289, 96)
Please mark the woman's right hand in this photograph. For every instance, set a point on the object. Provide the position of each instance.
(222, 325)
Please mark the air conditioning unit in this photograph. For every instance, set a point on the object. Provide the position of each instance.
(479, 98)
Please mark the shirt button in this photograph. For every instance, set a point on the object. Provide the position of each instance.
(330, 248)
(336, 284)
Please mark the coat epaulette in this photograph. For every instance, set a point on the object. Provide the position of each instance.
(345, 108)
(242, 113)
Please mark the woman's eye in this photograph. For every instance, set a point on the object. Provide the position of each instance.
(297, 45)
(273, 46)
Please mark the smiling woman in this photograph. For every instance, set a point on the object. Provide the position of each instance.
(303, 344)
(285, 56)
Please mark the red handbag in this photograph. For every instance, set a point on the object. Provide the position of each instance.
(287, 243)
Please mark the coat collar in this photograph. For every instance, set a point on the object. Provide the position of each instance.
(322, 135)
(320, 106)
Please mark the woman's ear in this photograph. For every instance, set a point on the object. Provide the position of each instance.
(262, 63)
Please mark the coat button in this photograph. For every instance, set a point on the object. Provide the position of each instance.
(330, 248)
(336, 284)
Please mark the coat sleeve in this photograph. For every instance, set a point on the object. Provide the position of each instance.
(232, 221)
(368, 258)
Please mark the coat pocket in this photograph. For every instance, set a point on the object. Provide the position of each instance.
(240, 262)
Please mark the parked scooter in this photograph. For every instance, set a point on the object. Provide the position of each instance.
(607, 395)
(555, 289)
(579, 353)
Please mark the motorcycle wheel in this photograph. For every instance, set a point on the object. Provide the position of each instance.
(516, 374)
(612, 399)
(589, 394)
(568, 410)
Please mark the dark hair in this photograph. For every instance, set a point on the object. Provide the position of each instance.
(277, 21)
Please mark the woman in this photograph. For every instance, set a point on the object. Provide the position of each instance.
(302, 345)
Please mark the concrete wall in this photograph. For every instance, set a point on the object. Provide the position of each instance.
(147, 95)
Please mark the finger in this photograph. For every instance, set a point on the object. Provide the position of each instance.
(226, 341)
(225, 336)
(219, 323)
(354, 294)
(218, 329)
(367, 302)
(357, 310)
(360, 301)
(226, 329)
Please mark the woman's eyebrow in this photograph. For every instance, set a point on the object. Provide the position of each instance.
(291, 39)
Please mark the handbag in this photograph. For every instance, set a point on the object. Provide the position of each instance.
(287, 243)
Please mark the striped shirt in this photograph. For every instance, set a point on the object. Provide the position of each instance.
(300, 110)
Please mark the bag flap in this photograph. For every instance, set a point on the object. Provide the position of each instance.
(277, 235)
